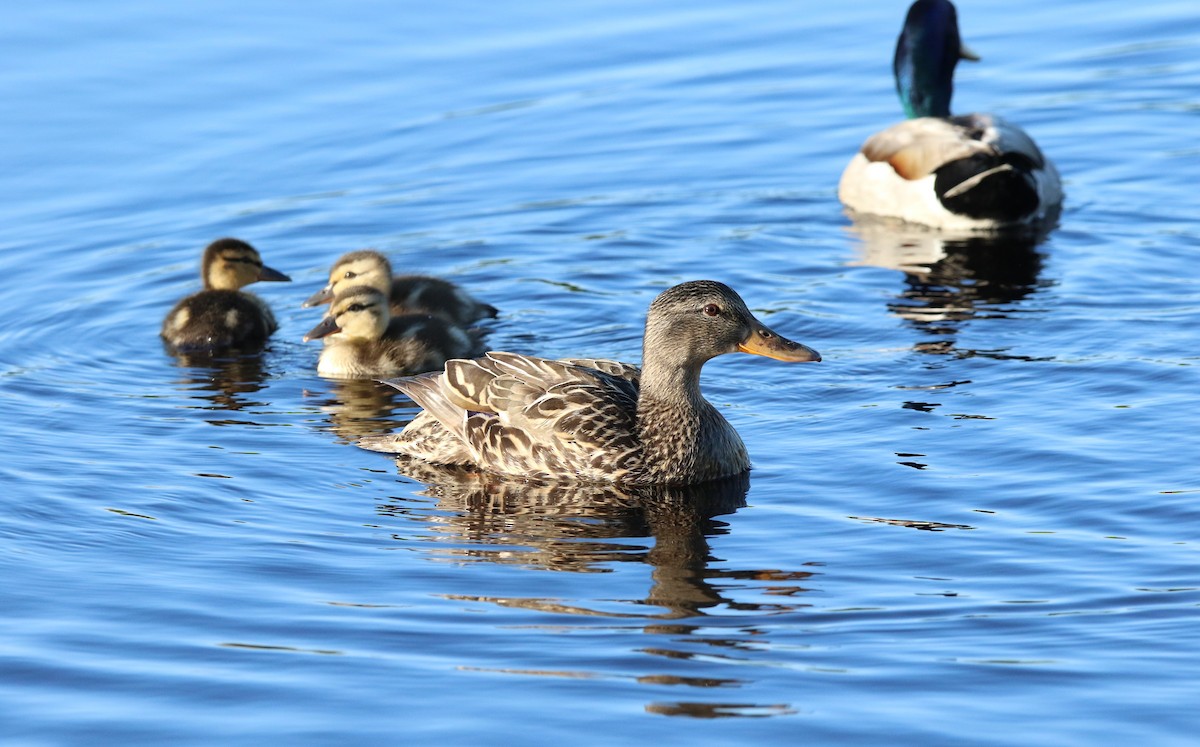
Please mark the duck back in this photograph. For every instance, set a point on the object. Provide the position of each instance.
(422, 294)
(215, 320)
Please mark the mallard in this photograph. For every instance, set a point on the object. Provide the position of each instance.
(974, 171)
(409, 294)
(363, 339)
(222, 316)
(596, 420)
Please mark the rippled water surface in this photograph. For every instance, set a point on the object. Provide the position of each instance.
(975, 522)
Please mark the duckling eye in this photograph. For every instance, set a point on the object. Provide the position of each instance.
(350, 274)
(712, 310)
(355, 307)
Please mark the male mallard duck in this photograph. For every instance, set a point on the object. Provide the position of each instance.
(223, 317)
(409, 294)
(363, 339)
(596, 420)
(974, 171)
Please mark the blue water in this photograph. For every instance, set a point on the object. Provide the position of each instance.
(976, 522)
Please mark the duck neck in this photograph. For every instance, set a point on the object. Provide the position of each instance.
(672, 415)
(926, 54)
(211, 282)
(669, 382)
(684, 439)
(220, 276)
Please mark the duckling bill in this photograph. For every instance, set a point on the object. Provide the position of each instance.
(407, 294)
(596, 420)
(222, 316)
(363, 339)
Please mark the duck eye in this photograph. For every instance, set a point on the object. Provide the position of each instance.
(350, 274)
(712, 310)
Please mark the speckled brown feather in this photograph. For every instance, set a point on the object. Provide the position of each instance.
(529, 416)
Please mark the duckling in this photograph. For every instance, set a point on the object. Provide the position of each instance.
(596, 420)
(364, 340)
(408, 294)
(967, 172)
(222, 316)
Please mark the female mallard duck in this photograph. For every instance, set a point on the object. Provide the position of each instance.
(409, 294)
(363, 339)
(596, 420)
(974, 171)
(223, 317)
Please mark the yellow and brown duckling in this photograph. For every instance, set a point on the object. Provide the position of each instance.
(596, 420)
(408, 294)
(363, 339)
(222, 316)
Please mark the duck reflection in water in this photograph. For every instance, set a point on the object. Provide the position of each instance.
(356, 408)
(949, 280)
(585, 527)
(223, 382)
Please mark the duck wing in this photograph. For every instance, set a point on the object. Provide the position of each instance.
(915, 148)
(529, 416)
(620, 370)
(1001, 136)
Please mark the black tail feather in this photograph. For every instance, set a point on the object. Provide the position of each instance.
(1007, 194)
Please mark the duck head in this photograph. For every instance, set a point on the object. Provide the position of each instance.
(927, 52)
(229, 264)
(694, 322)
(358, 312)
(366, 267)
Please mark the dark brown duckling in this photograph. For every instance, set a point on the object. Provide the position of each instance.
(222, 316)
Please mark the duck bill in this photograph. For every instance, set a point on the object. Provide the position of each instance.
(328, 326)
(267, 273)
(763, 341)
(325, 295)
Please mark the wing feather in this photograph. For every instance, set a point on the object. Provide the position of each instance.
(916, 148)
(524, 415)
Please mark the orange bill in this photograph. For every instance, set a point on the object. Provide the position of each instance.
(763, 341)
